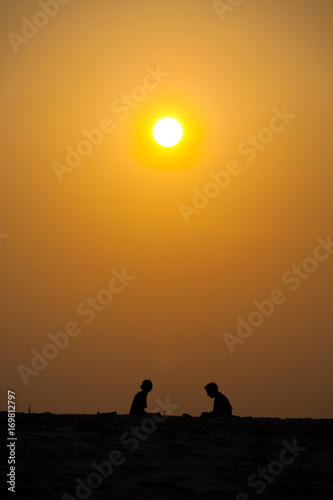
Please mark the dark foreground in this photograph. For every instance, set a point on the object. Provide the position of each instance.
(122, 457)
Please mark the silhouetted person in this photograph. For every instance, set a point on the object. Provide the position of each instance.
(139, 404)
(222, 407)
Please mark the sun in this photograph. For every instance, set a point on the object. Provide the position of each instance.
(167, 132)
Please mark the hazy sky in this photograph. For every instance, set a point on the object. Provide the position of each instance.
(152, 258)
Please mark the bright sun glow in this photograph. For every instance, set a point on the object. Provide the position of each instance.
(167, 132)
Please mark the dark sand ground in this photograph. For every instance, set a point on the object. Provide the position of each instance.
(183, 458)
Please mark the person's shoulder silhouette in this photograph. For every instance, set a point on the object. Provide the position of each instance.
(139, 403)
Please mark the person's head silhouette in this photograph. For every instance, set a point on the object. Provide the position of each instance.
(146, 386)
(211, 389)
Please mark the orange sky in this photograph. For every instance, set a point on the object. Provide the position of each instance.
(202, 230)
